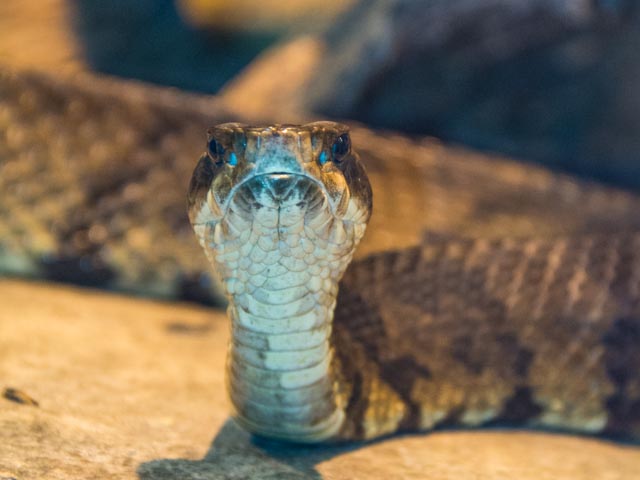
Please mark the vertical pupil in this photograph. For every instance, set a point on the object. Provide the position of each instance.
(215, 152)
(341, 146)
(214, 149)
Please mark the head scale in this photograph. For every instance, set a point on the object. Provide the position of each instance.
(279, 185)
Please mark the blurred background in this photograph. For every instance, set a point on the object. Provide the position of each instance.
(548, 81)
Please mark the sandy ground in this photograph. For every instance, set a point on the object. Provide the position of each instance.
(130, 388)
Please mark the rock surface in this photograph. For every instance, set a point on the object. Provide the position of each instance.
(552, 81)
(131, 388)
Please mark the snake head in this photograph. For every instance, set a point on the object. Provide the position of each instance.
(274, 166)
(281, 193)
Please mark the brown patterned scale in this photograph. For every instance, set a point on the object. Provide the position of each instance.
(531, 320)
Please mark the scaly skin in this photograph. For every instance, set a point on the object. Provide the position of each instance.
(279, 214)
(541, 332)
(535, 332)
(93, 173)
(92, 181)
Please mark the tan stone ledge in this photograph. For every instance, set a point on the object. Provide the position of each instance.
(131, 388)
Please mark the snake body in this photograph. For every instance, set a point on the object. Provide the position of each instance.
(520, 306)
(443, 332)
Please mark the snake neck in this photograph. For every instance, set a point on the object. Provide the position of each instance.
(282, 286)
(280, 376)
(280, 370)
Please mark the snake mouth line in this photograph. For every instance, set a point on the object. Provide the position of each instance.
(279, 185)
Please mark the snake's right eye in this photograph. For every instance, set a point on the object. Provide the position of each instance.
(341, 147)
(215, 152)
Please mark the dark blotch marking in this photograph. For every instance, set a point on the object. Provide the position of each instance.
(624, 416)
(471, 351)
(452, 420)
(519, 408)
(355, 345)
(357, 405)
(111, 182)
(18, 396)
(519, 355)
(198, 288)
(622, 360)
(366, 328)
(401, 374)
(88, 270)
(363, 322)
(462, 351)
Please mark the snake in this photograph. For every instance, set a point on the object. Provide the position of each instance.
(483, 292)
(279, 211)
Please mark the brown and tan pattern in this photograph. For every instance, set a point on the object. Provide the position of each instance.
(77, 157)
(538, 331)
(543, 330)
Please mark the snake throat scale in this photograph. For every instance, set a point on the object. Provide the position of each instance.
(449, 332)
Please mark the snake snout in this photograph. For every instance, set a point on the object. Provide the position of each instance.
(280, 185)
(277, 190)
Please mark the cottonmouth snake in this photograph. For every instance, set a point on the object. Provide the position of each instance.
(520, 306)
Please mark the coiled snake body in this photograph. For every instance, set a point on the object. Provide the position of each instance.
(523, 309)
(447, 332)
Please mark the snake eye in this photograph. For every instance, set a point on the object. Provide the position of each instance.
(215, 152)
(341, 147)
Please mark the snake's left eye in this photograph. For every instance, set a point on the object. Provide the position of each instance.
(215, 152)
(341, 147)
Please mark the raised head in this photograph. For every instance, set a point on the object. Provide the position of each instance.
(279, 211)
(266, 159)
